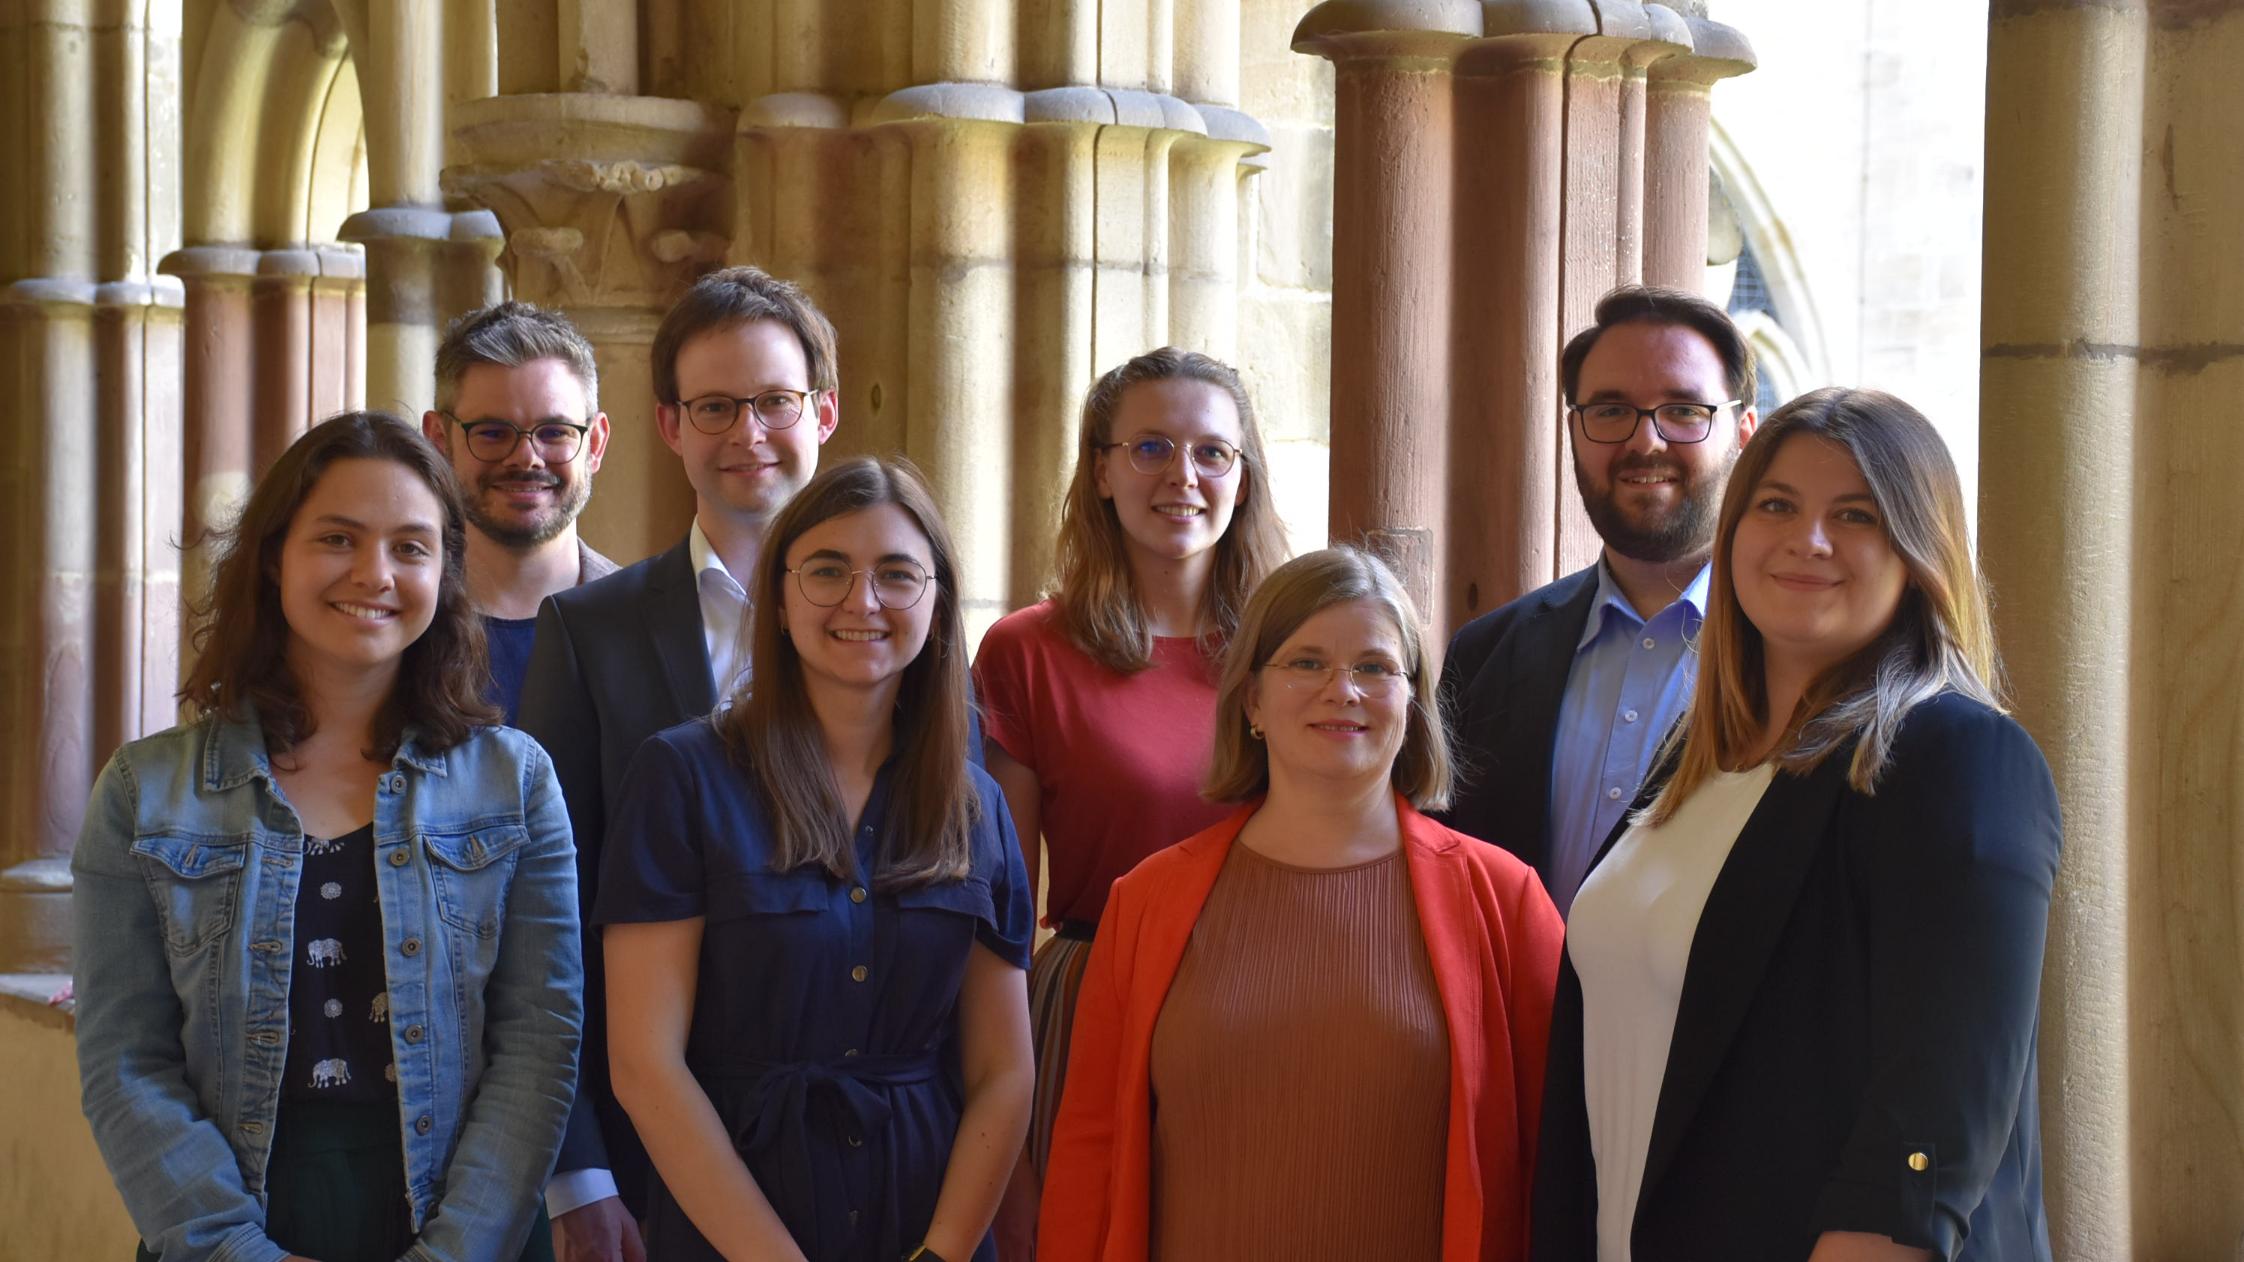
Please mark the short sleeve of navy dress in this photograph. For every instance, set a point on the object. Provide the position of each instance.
(825, 1022)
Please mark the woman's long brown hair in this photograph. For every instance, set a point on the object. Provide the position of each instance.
(773, 734)
(1941, 638)
(1097, 595)
(241, 636)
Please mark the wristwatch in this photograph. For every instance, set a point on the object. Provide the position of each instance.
(923, 1254)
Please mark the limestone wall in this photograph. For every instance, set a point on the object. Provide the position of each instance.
(55, 1194)
(2112, 358)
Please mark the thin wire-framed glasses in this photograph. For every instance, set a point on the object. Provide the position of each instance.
(1151, 453)
(490, 440)
(1612, 422)
(897, 583)
(1371, 678)
(775, 409)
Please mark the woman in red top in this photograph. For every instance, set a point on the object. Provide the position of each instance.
(1316, 1029)
(1098, 702)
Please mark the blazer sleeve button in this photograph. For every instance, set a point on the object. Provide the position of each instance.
(1919, 1162)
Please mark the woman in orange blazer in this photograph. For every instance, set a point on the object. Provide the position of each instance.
(1316, 1029)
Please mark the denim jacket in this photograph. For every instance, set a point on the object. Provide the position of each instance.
(185, 906)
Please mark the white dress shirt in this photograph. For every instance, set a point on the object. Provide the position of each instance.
(725, 621)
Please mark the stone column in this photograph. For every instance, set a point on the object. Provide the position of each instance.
(1391, 290)
(958, 300)
(89, 352)
(1507, 453)
(1676, 175)
(405, 229)
(1498, 167)
(610, 206)
(272, 344)
(2110, 365)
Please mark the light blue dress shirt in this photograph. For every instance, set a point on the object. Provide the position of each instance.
(1630, 680)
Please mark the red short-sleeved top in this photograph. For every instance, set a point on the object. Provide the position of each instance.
(1118, 758)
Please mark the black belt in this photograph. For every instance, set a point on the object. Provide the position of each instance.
(1076, 930)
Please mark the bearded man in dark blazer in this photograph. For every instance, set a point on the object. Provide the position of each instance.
(1559, 700)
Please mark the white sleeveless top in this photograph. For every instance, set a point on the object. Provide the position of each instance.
(1629, 936)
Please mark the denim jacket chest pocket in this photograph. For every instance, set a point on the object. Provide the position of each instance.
(471, 870)
(196, 883)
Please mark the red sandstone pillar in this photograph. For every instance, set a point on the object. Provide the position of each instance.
(1393, 168)
(1498, 168)
(1507, 453)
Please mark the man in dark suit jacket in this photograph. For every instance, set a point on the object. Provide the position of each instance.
(1559, 699)
(745, 382)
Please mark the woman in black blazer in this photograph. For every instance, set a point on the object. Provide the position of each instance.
(1796, 1019)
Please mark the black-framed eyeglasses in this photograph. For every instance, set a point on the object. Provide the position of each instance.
(1611, 422)
(1311, 674)
(490, 440)
(897, 583)
(775, 409)
(1151, 453)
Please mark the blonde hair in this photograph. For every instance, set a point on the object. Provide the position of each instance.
(1941, 638)
(1097, 595)
(1294, 593)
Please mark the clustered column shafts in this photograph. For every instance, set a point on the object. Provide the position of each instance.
(1500, 165)
(991, 210)
(275, 341)
(89, 356)
(2111, 361)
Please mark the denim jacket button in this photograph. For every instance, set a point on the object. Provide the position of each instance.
(413, 1034)
(424, 1125)
(253, 1128)
(411, 946)
(399, 858)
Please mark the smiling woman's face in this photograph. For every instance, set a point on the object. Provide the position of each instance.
(360, 566)
(859, 642)
(1178, 512)
(1320, 722)
(1814, 570)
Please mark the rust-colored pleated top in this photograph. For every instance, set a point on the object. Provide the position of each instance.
(1300, 1072)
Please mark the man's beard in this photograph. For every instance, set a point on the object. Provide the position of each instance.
(1671, 535)
(518, 533)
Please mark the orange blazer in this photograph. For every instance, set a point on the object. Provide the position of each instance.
(1493, 939)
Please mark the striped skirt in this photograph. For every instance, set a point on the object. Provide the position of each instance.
(1055, 978)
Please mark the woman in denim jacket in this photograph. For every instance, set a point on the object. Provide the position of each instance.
(327, 955)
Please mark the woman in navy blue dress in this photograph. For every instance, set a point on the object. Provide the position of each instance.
(816, 920)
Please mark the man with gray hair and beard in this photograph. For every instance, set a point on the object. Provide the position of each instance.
(1559, 700)
(518, 413)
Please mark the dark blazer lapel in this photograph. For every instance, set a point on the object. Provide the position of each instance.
(673, 620)
(1538, 688)
(1746, 913)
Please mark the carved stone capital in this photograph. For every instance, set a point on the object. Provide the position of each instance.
(610, 202)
